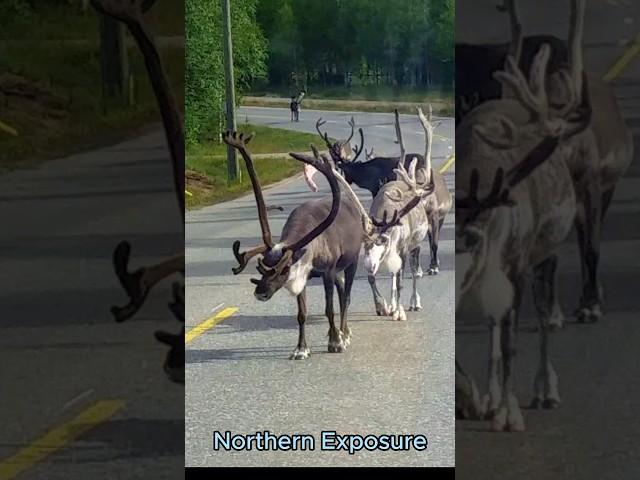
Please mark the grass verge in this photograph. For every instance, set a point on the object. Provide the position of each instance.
(51, 93)
(441, 107)
(206, 164)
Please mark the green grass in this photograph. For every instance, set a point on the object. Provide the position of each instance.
(207, 164)
(70, 71)
(445, 108)
(216, 189)
(266, 140)
(83, 120)
(382, 93)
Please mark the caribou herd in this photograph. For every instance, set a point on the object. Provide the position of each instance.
(324, 237)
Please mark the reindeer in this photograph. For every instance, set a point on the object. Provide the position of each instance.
(138, 284)
(388, 242)
(370, 175)
(514, 229)
(599, 159)
(439, 203)
(329, 248)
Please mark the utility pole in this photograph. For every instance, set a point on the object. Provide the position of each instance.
(233, 171)
(113, 57)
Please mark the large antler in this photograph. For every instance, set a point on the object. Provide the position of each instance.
(573, 77)
(324, 167)
(352, 124)
(532, 95)
(428, 133)
(131, 13)
(419, 192)
(239, 141)
(324, 135)
(357, 150)
(497, 197)
(515, 46)
(366, 220)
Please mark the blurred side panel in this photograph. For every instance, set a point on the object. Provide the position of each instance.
(547, 238)
(92, 245)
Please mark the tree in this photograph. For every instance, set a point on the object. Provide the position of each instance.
(204, 88)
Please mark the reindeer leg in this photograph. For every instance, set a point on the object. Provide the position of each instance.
(492, 399)
(509, 416)
(301, 352)
(415, 261)
(399, 313)
(382, 309)
(415, 305)
(434, 236)
(588, 226)
(468, 405)
(342, 300)
(545, 387)
(336, 345)
(349, 275)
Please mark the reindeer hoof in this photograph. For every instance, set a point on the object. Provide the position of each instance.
(419, 272)
(508, 418)
(591, 314)
(300, 354)
(383, 310)
(546, 404)
(337, 346)
(433, 271)
(399, 315)
(346, 337)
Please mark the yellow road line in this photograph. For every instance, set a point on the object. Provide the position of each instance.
(622, 63)
(447, 164)
(208, 324)
(58, 438)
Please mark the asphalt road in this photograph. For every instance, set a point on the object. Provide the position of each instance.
(594, 432)
(394, 378)
(61, 352)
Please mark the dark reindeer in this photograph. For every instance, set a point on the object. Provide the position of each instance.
(137, 284)
(331, 247)
(370, 175)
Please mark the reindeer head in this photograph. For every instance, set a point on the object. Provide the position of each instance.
(277, 259)
(379, 235)
(340, 151)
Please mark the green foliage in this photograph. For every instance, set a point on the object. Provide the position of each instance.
(14, 12)
(404, 42)
(204, 95)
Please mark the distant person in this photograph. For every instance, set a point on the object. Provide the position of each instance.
(295, 106)
(295, 109)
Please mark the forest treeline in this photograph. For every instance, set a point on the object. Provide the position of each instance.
(302, 43)
(344, 42)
